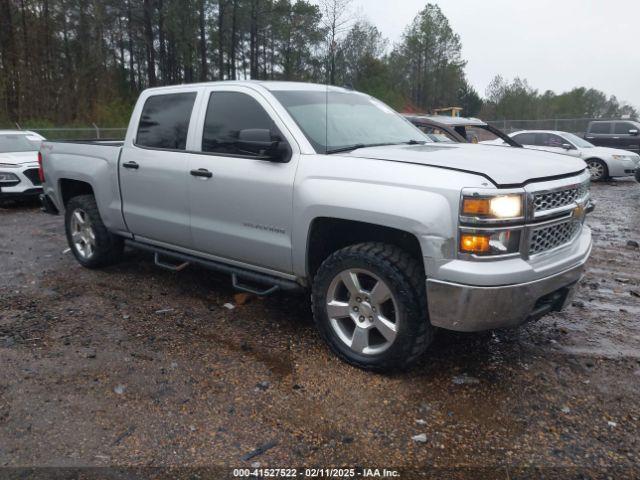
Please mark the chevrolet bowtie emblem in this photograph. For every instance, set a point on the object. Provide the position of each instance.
(579, 212)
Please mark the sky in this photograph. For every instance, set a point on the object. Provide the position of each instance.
(554, 44)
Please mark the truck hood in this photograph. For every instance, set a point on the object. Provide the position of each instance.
(18, 158)
(505, 167)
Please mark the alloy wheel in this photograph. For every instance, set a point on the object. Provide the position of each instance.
(83, 235)
(362, 311)
(596, 169)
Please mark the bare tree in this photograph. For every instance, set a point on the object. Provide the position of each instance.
(336, 19)
(149, 40)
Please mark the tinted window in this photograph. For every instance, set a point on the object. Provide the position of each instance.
(165, 121)
(623, 128)
(525, 138)
(550, 140)
(233, 121)
(600, 128)
(426, 128)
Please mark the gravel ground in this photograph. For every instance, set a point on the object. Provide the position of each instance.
(136, 366)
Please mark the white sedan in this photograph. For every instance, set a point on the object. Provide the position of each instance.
(603, 162)
(19, 175)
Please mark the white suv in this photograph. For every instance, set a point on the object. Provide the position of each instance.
(19, 164)
(603, 162)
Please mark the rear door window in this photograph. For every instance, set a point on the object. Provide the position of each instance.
(602, 128)
(165, 121)
(233, 117)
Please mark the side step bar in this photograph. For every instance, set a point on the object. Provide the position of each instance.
(238, 275)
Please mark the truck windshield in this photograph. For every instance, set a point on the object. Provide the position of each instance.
(18, 143)
(577, 141)
(337, 121)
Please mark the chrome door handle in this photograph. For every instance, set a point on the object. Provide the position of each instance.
(131, 165)
(202, 173)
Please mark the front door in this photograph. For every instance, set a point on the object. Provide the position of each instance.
(241, 206)
(626, 136)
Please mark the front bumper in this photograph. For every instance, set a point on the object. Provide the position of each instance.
(622, 168)
(28, 184)
(472, 308)
(28, 193)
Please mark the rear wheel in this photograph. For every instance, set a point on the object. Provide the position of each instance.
(598, 169)
(369, 304)
(89, 240)
(638, 174)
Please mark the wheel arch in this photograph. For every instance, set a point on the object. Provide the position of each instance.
(69, 188)
(327, 235)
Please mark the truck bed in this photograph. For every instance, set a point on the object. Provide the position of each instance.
(92, 166)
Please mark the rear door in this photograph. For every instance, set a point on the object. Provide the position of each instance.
(154, 170)
(600, 134)
(626, 135)
(242, 210)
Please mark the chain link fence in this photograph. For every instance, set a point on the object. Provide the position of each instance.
(572, 125)
(84, 133)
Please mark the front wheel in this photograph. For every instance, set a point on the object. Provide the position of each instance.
(598, 170)
(370, 306)
(638, 175)
(90, 241)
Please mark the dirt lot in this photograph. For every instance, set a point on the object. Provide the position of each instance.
(136, 366)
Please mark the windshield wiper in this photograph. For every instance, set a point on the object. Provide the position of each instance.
(350, 148)
(357, 146)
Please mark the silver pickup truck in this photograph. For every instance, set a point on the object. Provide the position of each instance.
(288, 186)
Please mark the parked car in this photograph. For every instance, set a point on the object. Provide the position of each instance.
(460, 130)
(603, 162)
(623, 134)
(289, 186)
(19, 164)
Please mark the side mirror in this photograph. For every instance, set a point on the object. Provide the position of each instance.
(633, 132)
(567, 146)
(261, 142)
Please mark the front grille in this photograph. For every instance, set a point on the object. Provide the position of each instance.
(559, 198)
(33, 175)
(547, 238)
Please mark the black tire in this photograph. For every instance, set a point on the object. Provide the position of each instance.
(638, 175)
(108, 247)
(602, 166)
(404, 276)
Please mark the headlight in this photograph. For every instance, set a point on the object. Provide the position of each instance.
(501, 207)
(491, 222)
(620, 157)
(6, 177)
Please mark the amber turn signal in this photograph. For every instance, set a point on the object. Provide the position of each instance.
(476, 206)
(474, 243)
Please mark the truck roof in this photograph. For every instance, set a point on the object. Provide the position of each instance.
(268, 85)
